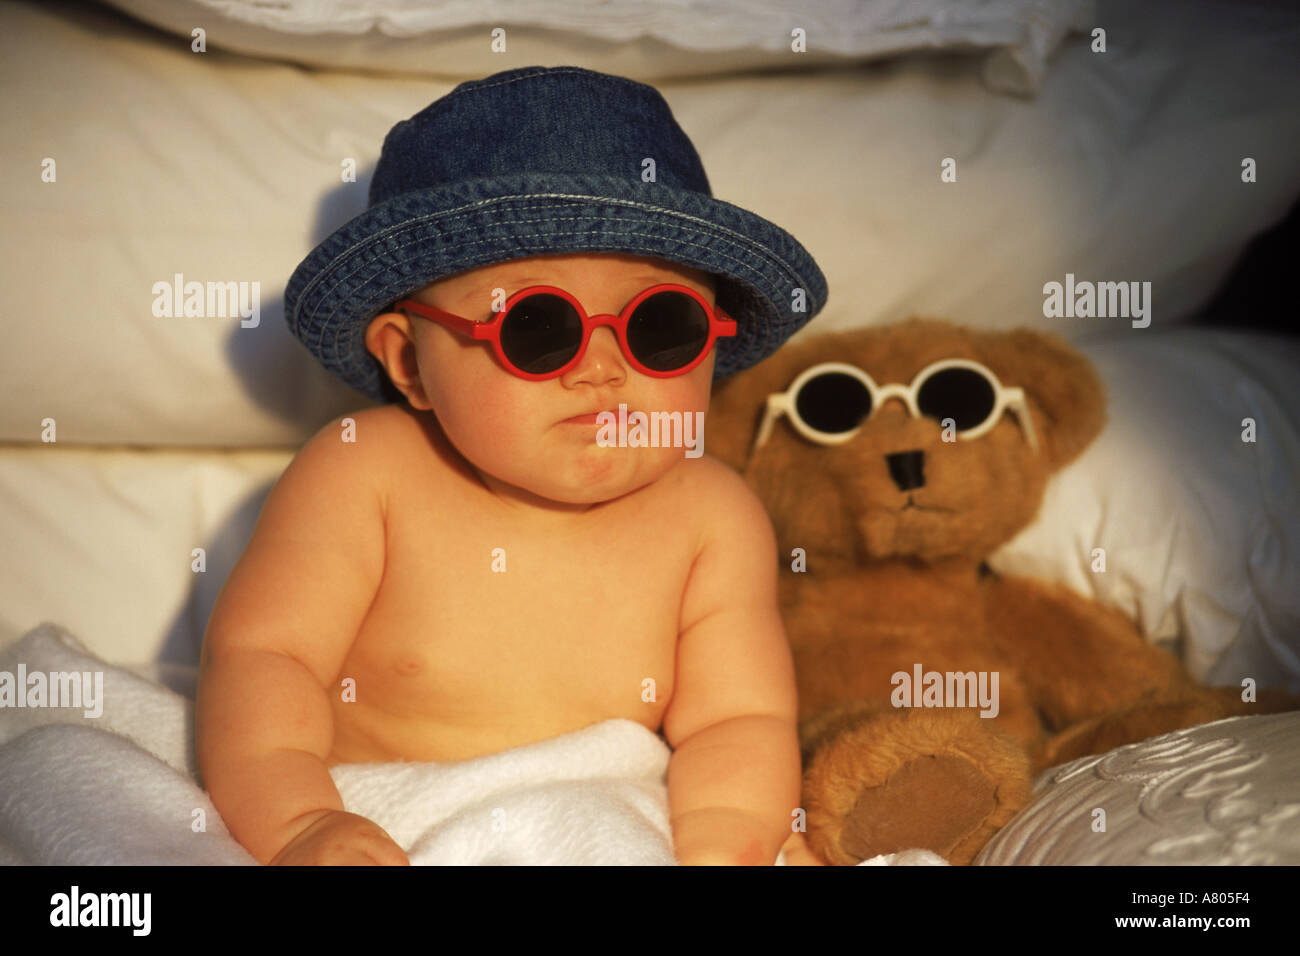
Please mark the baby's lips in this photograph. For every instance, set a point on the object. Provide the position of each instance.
(585, 418)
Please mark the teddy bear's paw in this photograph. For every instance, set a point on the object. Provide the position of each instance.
(933, 803)
(940, 780)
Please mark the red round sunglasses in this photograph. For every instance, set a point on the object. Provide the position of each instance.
(543, 331)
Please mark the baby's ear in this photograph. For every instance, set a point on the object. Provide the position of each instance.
(390, 340)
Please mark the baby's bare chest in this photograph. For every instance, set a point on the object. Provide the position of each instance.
(492, 635)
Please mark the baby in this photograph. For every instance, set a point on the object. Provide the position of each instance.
(479, 564)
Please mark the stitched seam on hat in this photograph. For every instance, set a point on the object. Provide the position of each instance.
(479, 242)
(325, 320)
(458, 210)
(761, 250)
(682, 215)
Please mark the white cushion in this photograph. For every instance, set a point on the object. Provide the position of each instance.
(1200, 529)
(226, 168)
(645, 39)
(101, 542)
(1221, 794)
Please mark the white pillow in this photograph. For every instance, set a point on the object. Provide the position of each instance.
(643, 39)
(1201, 530)
(1221, 794)
(101, 541)
(225, 168)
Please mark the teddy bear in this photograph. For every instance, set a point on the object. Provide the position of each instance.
(893, 460)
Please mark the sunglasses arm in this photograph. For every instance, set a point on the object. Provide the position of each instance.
(777, 403)
(475, 330)
(1018, 405)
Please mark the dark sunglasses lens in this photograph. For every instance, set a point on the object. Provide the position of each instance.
(962, 394)
(668, 331)
(541, 333)
(833, 402)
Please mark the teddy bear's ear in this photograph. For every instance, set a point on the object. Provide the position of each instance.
(1064, 391)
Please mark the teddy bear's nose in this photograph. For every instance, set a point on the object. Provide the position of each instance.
(907, 468)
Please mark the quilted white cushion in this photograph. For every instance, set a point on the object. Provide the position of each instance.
(1222, 794)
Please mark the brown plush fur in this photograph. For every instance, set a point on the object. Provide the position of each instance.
(887, 588)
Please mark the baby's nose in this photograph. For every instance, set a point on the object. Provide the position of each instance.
(603, 361)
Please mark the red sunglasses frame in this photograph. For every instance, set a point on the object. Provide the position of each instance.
(721, 325)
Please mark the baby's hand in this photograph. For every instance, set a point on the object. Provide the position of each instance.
(339, 838)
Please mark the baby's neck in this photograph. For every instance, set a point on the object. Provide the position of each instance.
(523, 500)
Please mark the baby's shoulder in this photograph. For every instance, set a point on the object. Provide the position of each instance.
(720, 496)
(365, 443)
(386, 427)
(709, 475)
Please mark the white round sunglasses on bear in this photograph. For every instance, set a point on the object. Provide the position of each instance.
(842, 398)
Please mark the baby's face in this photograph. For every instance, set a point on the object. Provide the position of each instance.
(517, 433)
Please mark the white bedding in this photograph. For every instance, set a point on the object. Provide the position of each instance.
(122, 787)
(1221, 794)
(645, 39)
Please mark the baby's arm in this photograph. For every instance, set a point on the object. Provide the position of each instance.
(734, 777)
(277, 638)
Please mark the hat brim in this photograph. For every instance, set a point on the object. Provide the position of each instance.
(402, 245)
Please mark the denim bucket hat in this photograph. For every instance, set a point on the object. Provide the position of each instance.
(539, 161)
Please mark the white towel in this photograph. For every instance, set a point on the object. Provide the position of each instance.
(592, 797)
(122, 788)
(118, 789)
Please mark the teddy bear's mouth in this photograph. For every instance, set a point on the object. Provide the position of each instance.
(912, 505)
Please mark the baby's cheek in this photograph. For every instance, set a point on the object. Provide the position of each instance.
(507, 413)
(504, 428)
(493, 429)
(688, 393)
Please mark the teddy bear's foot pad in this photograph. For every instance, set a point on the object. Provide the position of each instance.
(931, 803)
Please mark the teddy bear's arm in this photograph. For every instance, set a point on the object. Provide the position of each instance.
(1077, 657)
